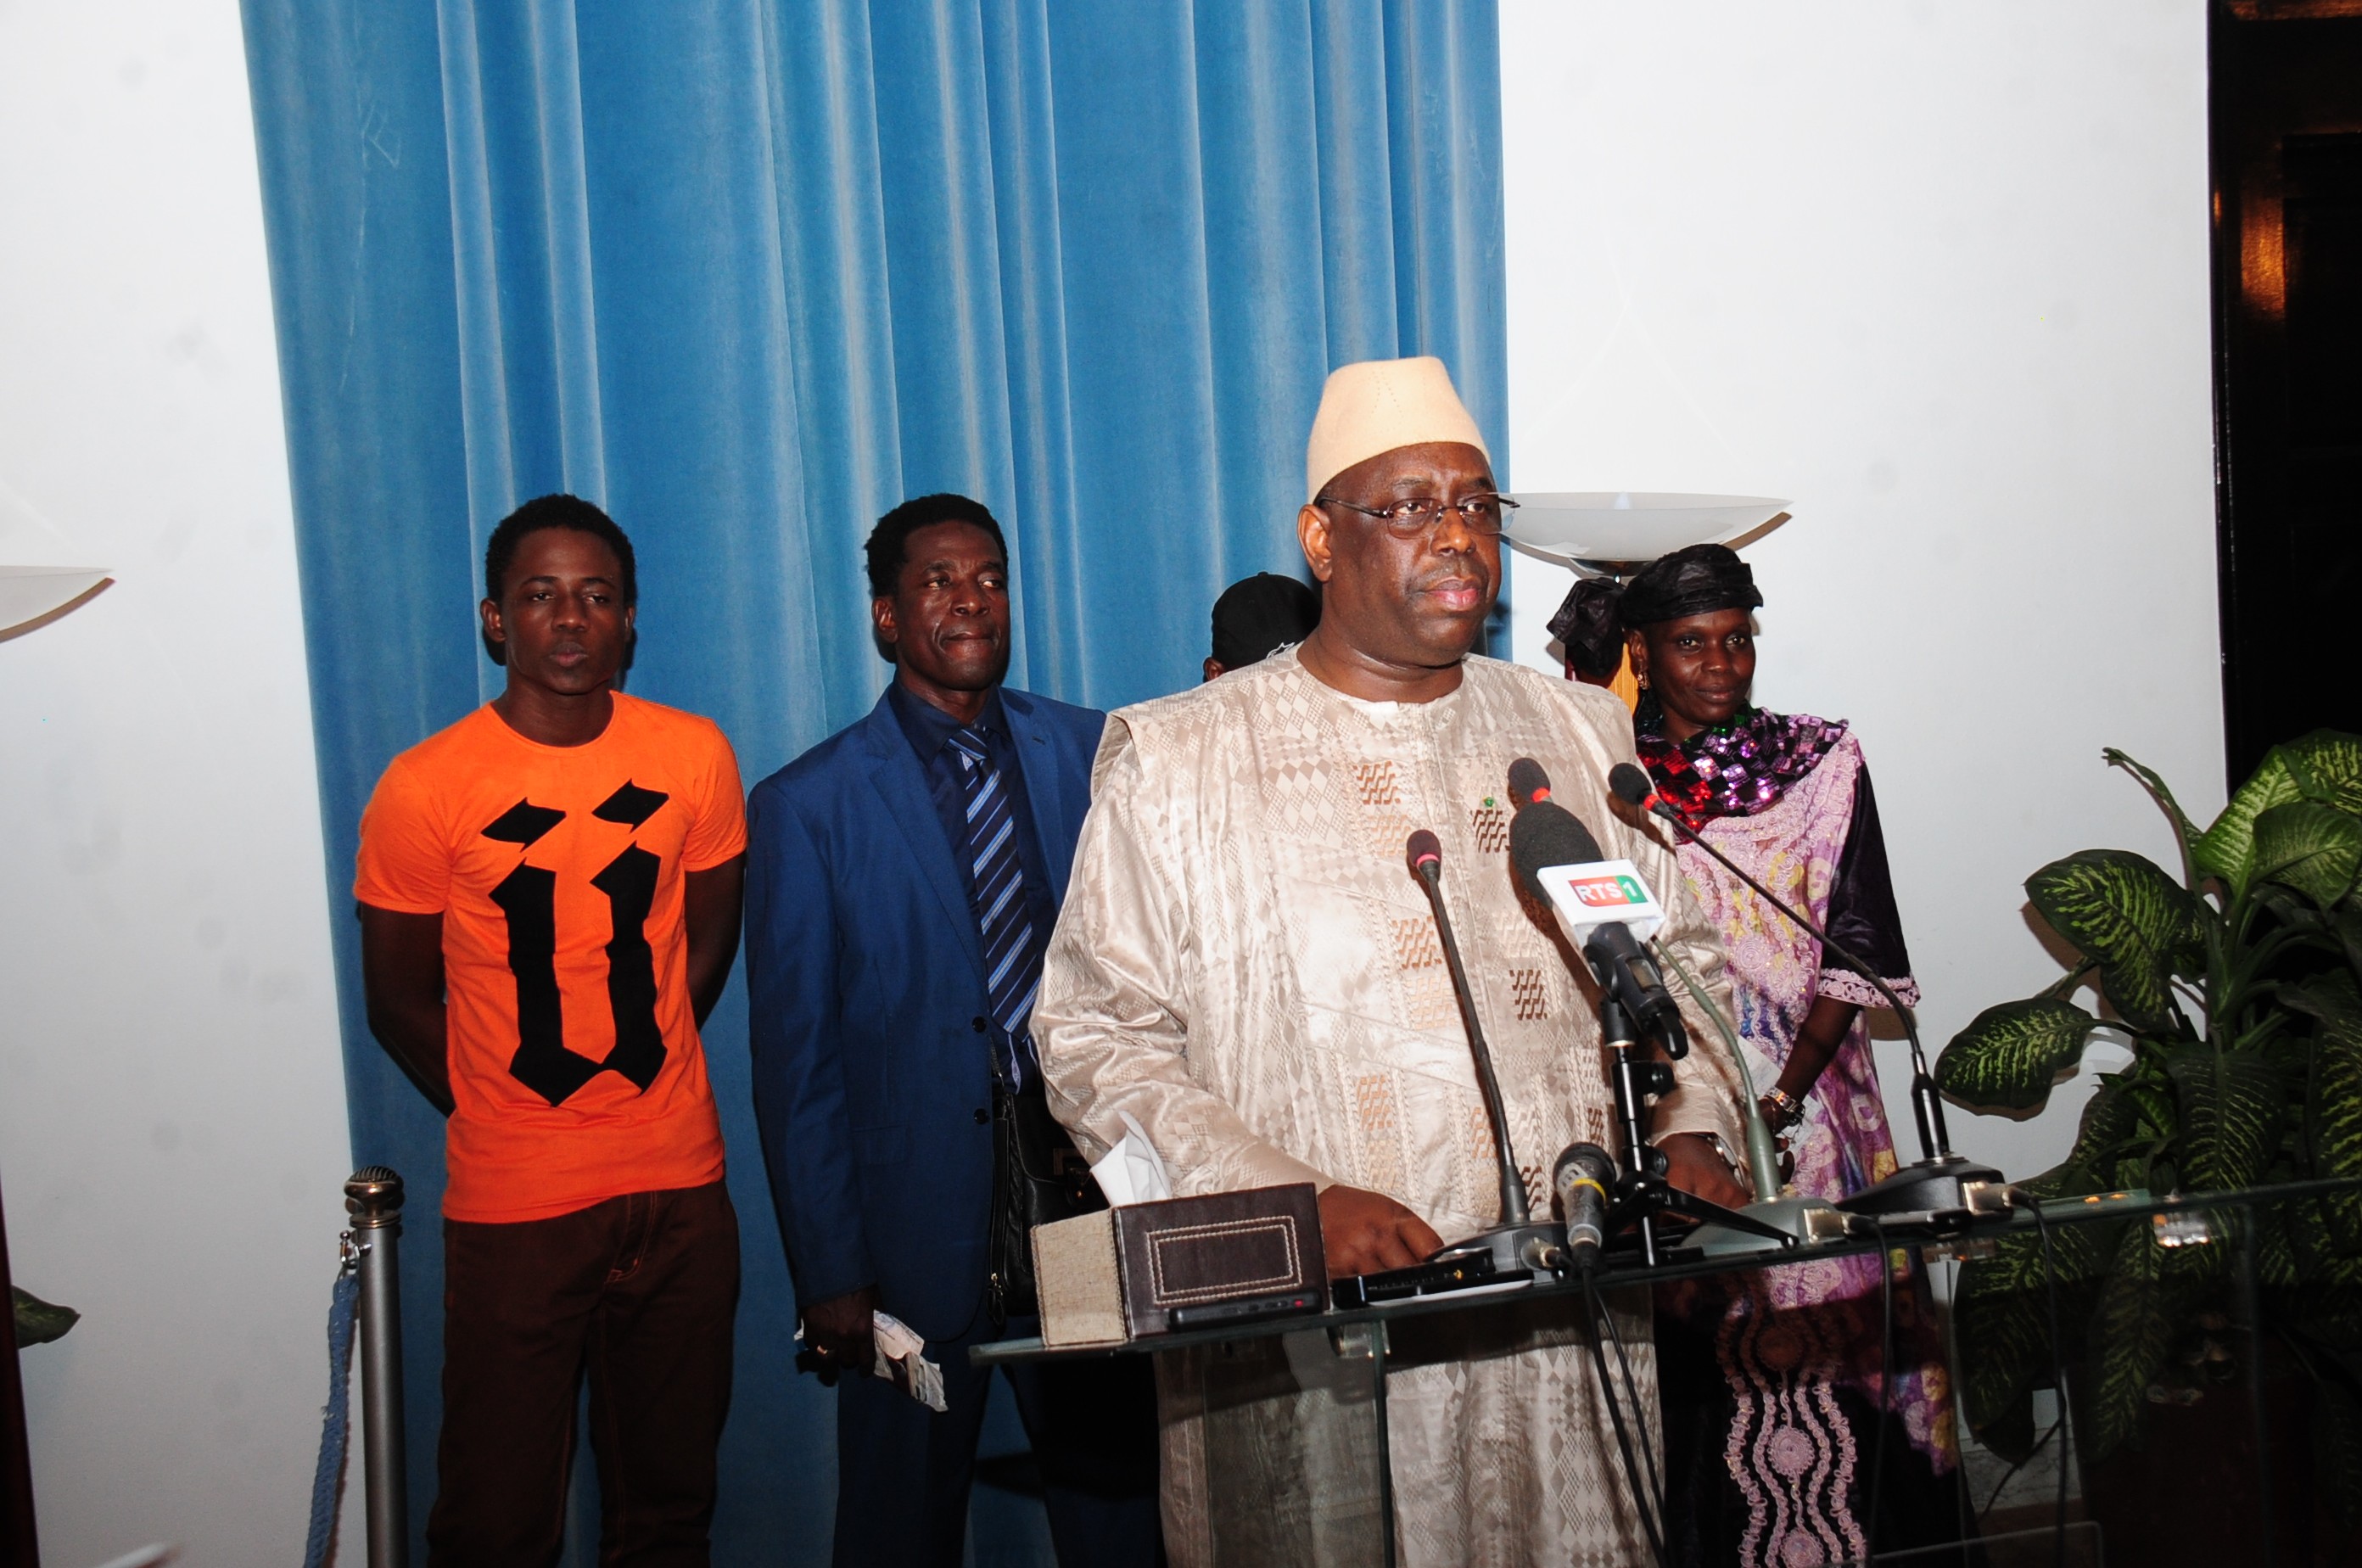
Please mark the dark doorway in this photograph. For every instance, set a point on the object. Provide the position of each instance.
(2286, 111)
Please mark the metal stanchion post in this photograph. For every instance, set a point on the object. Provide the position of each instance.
(373, 1198)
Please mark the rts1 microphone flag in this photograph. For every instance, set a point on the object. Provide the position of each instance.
(1561, 863)
(1603, 905)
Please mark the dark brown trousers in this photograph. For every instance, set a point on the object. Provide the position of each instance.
(639, 1292)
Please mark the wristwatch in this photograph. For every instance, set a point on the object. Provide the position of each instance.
(1787, 1110)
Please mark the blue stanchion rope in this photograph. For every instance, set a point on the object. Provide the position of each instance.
(328, 1478)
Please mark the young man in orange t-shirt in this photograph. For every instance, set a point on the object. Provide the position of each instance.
(549, 901)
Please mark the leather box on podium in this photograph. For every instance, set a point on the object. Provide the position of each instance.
(1146, 1268)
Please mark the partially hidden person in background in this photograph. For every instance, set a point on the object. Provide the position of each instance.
(1588, 633)
(906, 875)
(1257, 616)
(1591, 642)
(1770, 1379)
(549, 904)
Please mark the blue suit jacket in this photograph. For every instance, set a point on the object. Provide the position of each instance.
(873, 1080)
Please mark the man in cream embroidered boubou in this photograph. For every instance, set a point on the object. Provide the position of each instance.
(1244, 965)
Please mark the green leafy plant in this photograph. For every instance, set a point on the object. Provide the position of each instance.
(39, 1322)
(2238, 986)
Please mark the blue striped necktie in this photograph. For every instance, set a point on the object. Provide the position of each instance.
(1012, 955)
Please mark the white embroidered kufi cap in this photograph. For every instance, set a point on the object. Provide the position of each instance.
(1378, 405)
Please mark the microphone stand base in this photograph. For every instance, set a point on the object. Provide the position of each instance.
(1923, 1186)
(1539, 1248)
(1807, 1220)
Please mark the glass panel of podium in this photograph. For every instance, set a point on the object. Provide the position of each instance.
(1284, 1420)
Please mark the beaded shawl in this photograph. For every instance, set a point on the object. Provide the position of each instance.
(1736, 769)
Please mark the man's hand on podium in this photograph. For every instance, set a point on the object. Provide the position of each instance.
(1692, 1164)
(1365, 1232)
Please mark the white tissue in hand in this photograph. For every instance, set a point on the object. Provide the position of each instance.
(1132, 1172)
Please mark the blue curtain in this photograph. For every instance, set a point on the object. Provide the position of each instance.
(748, 274)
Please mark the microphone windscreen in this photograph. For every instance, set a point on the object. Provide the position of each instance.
(1630, 785)
(1423, 848)
(1526, 781)
(1590, 1159)
(1567, 834)
(1547, 834)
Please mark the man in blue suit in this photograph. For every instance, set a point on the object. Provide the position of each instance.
(903, 879)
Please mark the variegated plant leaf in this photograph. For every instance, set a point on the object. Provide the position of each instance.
(39, 1322)
(2138, 924)
(2311, 848)
(2111, 1121)
(2233, 1103)
(2226, 850)
(2010, 1055)
(2314, 1244)
(2185, 832)
(2156, 1103)
(2336, 1102)
(2131, 1335)
(2003, 1311)
(2326, 765)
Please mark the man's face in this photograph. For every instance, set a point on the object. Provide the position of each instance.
(560, 619)
(1420, 601)
(948, 619)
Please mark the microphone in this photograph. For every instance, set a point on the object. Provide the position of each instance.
(1527, 783)
(1598, 900)
(1423, 851)
(1558, 858)
(1629, 782)
(1583, 1180)
(1938, 1165)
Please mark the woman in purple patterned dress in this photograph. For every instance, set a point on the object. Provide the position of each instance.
(1770, 1380)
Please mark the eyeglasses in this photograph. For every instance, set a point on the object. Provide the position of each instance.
(1482, 515)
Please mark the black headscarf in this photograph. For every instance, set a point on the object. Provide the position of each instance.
(1698, 580)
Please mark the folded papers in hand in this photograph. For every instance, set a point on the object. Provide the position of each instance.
(902, 1360)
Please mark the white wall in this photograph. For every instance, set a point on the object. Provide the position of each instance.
(1939, 272)
(171, 1118)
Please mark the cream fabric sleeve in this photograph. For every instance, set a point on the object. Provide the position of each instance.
(1111, 1023)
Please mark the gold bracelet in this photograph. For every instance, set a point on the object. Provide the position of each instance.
(1790, 1109)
